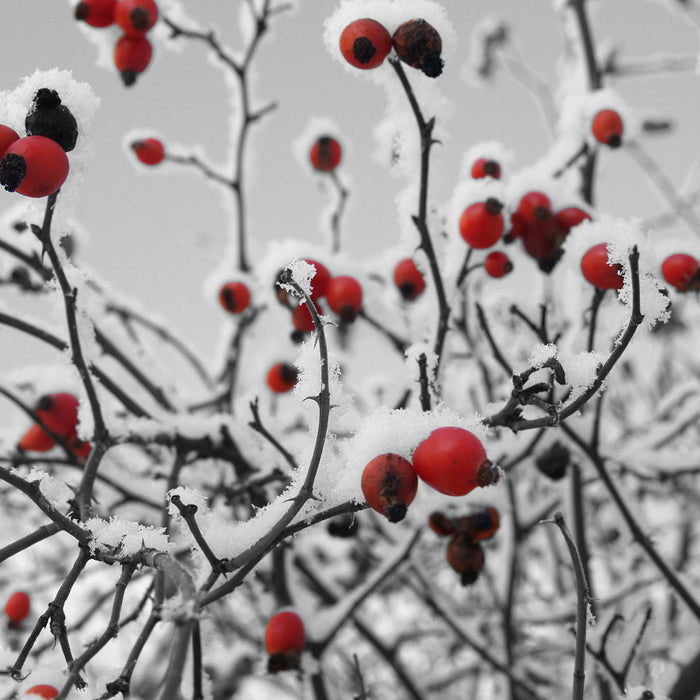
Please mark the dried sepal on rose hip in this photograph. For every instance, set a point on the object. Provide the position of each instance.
(285, 638)
(149, 151)
(681, 271)
(607, 128)
(453, 461)
(325, 154)
(48, 117)
(389, 485)
(365, 43)
(599, 271)
(419, 44)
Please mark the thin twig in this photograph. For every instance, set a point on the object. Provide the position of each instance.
(582, 599)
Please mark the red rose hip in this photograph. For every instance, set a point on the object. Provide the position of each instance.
(681, 271)
(365, 43)
(535, 206)
(282, 377)
(325, 154)
(607, 128)
(149, 151)
(466, 557)
(135, 17)
(453, 461)
(34, 166)
(96, 13)
(598, 271)
(481, 223)
(7, 137)
(17, 608)
(43, 691)
(132, 54)
(497, 264)
(408, 278)
(285, 638)
(234, 297)
(485, 167)
(389, 485)
(344, 296)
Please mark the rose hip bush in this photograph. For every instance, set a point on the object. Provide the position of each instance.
(355, 497)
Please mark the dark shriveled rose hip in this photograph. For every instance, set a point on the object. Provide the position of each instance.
(418, 44)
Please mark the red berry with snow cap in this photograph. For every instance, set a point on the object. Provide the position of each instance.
(149, 151)
(681, 271)
(344, 296)
(598, 271)
(234, 297)
(453, 461)
(365, 43)
(481, 223)
(408, 278)
(285, 638)
(607, 128)
(389, 485)
(325, 154)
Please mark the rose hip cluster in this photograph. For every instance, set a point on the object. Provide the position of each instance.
(135, 18)
(36, 165)
(451, 460)
(365, 43)
(464, 552)
(541, 230)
